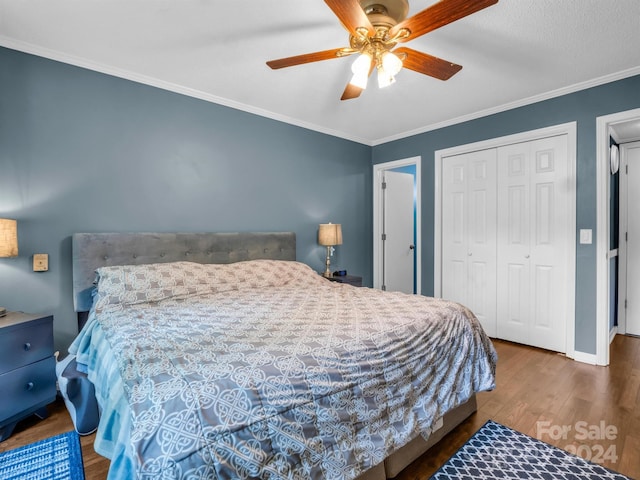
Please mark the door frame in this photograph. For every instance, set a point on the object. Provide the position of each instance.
(604, 128)
(569, 129)
(378, 212)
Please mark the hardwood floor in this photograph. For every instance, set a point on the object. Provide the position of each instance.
(537, 393)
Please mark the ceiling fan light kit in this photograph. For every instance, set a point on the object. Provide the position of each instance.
(376, 27)
(388, 68)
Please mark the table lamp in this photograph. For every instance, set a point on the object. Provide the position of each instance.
(329, 235)
(8, 243)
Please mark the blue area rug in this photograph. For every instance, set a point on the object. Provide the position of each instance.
(497, 452)
(56, 458)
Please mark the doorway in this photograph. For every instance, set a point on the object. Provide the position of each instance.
(396, 209)
(624, 127)
(625, 280)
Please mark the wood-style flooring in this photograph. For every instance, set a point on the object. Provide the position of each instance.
(537, 393)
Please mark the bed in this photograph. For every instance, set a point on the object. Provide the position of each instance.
(218, 355)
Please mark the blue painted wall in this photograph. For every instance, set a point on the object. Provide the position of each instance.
(582, 107)
(85, 152)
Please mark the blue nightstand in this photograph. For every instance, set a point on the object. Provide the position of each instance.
(27, 368)
(354, 280)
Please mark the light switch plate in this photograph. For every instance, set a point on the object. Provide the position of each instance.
(585, 236)
(40, 262)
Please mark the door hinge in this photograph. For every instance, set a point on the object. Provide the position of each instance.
(626, 236)
(384, 185)
(625, 303)
(384, 237)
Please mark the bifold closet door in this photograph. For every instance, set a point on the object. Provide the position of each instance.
(469, 234)
(533, 236)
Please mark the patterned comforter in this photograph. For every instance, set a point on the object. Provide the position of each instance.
(263, 369)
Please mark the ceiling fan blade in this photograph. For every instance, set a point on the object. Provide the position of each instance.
(351, 91)
(438, 15)
(308, 58)
(427, 64)
(351, 15)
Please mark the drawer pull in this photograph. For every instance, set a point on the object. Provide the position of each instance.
(27, 347)
(30, 385)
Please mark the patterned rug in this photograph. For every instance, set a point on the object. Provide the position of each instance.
(56, 458)
(497, 452)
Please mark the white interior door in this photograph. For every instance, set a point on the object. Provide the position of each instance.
(533, 238)
(622, 245)
(469, 234)
(632, 155)
(398, 232)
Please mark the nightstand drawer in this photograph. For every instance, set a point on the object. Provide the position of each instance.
(24, 387)
(26, 344)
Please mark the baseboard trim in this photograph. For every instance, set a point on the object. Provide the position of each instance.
(582, 357)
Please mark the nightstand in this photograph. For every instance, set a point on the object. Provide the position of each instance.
(348, 279)
(27, 368)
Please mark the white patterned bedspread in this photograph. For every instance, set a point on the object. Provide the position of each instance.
(263, 369)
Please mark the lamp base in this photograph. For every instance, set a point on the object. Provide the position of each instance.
(327, 262)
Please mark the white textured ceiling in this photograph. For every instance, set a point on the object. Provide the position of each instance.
(512, 53)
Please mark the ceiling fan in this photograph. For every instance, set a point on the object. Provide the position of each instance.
(376, 27)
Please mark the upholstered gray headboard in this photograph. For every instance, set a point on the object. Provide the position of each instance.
(94, 250)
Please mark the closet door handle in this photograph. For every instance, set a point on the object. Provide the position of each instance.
(526, 256)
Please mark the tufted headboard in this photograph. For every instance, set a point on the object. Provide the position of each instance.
(94, 250)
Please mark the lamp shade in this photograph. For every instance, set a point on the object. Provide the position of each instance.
(8, 238)
(330, 234)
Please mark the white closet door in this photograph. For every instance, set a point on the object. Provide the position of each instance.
(454, 229)
(533, 236)
(513, 240)
(469, 234)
